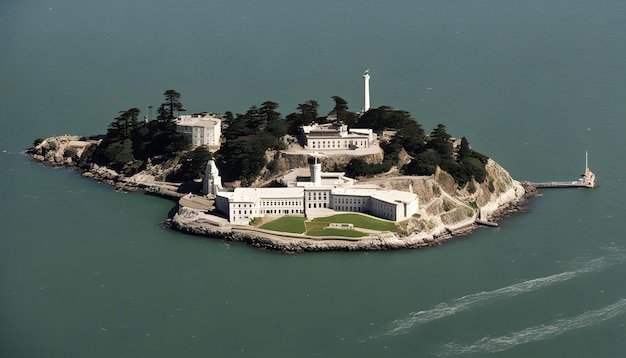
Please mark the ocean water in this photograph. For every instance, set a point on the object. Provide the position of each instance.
(86, 271)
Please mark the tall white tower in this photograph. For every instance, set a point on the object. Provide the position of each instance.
(366, 103)
(316, 171)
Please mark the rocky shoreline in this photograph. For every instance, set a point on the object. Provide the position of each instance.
(291, 243)
(65, 151)
(510, 198)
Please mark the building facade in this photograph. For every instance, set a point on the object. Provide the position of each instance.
(326, 193)
(336, 137)
(200, 128)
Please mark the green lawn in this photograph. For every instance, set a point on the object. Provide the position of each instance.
(293, 224)
(359, 220)
(318, 226)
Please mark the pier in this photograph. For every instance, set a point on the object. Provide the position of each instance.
(587, 180)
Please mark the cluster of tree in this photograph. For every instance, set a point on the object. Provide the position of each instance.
(130, 143)
(409, 135)
(247, 137)
(193, 164)
(462, 164)
(428, 151)
(308, 114)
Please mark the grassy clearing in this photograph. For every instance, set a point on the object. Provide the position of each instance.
(361, 221)
(318, 226)
(293, 224)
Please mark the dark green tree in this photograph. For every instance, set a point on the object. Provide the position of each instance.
(439, 140)
(119, 153)
(272, 121)
(268, 111)
(308, 110)
(424, 163)
(171, 104)
(464, 149)
(243, 158)
(306, 116)
(228, 118)
(472, 163)
(194, 163)
(340, 110)
(123, 126)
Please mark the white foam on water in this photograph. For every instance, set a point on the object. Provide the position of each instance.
(537, 333)
(404, 325)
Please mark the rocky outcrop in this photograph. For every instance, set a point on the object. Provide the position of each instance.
(67, 151)
(62, 150)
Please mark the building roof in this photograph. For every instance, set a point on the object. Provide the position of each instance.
(385, 195)
(329, 179)
(250, 195)
(394, 196)
(198, 119)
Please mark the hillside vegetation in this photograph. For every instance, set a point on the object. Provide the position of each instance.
(131, 146)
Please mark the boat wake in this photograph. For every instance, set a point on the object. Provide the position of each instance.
(537, 333)
(465, 303)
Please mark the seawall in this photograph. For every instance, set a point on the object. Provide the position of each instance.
(294, 243)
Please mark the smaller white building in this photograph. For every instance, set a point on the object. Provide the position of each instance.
(200, 128)
(336, 137)
(245, 204)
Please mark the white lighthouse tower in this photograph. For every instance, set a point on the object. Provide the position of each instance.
(366, 103)
(316, 169)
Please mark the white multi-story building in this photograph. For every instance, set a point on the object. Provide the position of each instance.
(336, 137)
(200, 128)
(321, 194)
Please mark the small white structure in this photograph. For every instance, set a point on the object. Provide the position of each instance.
(212, 181)
(322, 194)
(336, 137)
(200, 128)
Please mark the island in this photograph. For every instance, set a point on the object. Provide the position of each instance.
(367, 180)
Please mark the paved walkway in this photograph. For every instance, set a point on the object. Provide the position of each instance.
(197, 202)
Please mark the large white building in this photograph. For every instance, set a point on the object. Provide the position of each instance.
(200, 128)
(336, 137)
(321, 194)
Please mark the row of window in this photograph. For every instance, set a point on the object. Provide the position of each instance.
(349, 208)
(280, 203)
(317, 196)
(282, 211)
(337, 144)
(343, 200)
